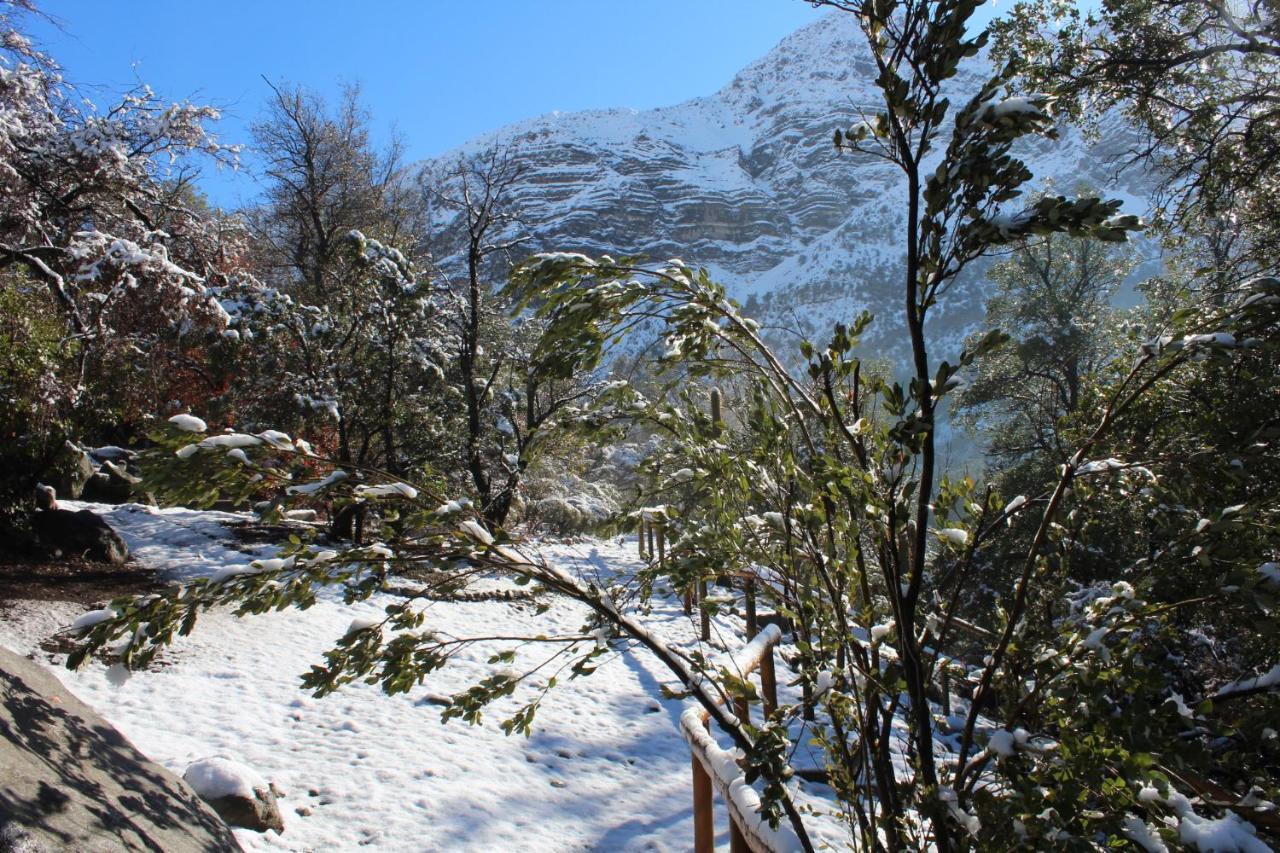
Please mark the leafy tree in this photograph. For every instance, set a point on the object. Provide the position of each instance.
(511, 397)
(1054, 297)
(96, 212)
(1199, 81)
(344, 335)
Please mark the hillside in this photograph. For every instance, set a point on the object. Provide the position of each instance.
(746, 183)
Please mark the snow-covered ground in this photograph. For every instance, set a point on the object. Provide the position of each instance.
(606, 767)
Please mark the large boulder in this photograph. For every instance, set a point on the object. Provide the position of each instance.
(115, 479)
(70, 469)
(84, 533)
(238, 794)
(110, 484)
(69, 781)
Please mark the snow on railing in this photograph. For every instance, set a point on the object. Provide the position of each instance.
(715, 766)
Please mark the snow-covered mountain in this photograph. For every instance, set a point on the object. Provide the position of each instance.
(746, 182)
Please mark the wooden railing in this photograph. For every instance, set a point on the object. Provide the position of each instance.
(652, 545)
(716, 768)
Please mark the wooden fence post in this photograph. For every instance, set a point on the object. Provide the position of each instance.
(703, 782)
(768, 683)
(706, 614)
(704, 829)
(640, 537)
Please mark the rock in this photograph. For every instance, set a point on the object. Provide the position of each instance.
(239, 795)
(69, 781)
(112, 483)
(69, 471)
(46, 497)
(79, 533)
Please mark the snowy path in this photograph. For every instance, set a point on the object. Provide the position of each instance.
(605, 769)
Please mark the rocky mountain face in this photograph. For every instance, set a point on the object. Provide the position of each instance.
(746, 183)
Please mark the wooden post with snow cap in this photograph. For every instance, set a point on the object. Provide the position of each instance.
(769, 683)
(719, 769)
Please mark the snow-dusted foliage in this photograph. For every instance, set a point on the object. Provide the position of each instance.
(91, 210)
(106, 259)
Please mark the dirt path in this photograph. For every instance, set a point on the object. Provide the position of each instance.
(75, 580)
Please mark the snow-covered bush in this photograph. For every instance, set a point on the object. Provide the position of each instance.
(101, 231)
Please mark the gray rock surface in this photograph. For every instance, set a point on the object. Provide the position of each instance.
(70, 471)
(83, 533)
(69, 781)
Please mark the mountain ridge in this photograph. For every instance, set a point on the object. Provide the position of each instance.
(745, 182)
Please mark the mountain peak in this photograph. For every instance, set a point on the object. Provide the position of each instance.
(746, 183)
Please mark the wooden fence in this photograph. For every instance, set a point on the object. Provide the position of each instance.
(715, 768)
(746, 832)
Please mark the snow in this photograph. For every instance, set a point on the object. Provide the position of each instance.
(1002, 743)
(277, 439)
(188, 423)
(1099, 465)
(605, 769)
(476, 531)
(319, 485)
(1139, 833)
(93, 617)
(231, 440)
(1018, 106)
(1227, 834)
(1269, 679)
(387, 490)
(213, 778)
(954, 536)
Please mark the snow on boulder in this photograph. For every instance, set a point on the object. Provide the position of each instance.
(236, 792)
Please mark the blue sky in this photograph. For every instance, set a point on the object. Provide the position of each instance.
(442, 72)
